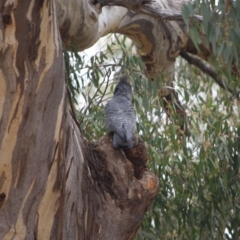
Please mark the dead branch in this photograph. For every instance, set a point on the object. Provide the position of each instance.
(209, 71)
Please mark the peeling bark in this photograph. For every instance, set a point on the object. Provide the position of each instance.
(54, 184)
(32, 100)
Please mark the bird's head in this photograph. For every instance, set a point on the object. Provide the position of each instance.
(124, 88)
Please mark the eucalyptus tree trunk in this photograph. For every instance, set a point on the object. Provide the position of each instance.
(53, 183)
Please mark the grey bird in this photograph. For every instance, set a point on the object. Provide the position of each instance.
(119, 115)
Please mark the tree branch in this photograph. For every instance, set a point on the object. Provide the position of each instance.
(209, 71)
(146, 7)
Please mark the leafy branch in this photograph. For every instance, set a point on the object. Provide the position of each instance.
(221, 81)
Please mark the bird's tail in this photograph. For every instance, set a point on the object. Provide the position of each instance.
(124, 134)
(118, 142)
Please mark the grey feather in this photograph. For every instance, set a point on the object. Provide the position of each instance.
(119, 115)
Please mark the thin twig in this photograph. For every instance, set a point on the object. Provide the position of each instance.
(108, 75)
(209, 71)
(104, 92)
(91, 101)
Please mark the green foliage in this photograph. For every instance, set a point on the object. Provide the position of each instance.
(199, 177)
(199, 194)
(221, 25)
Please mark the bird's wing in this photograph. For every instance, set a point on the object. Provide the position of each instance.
(120, 118)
